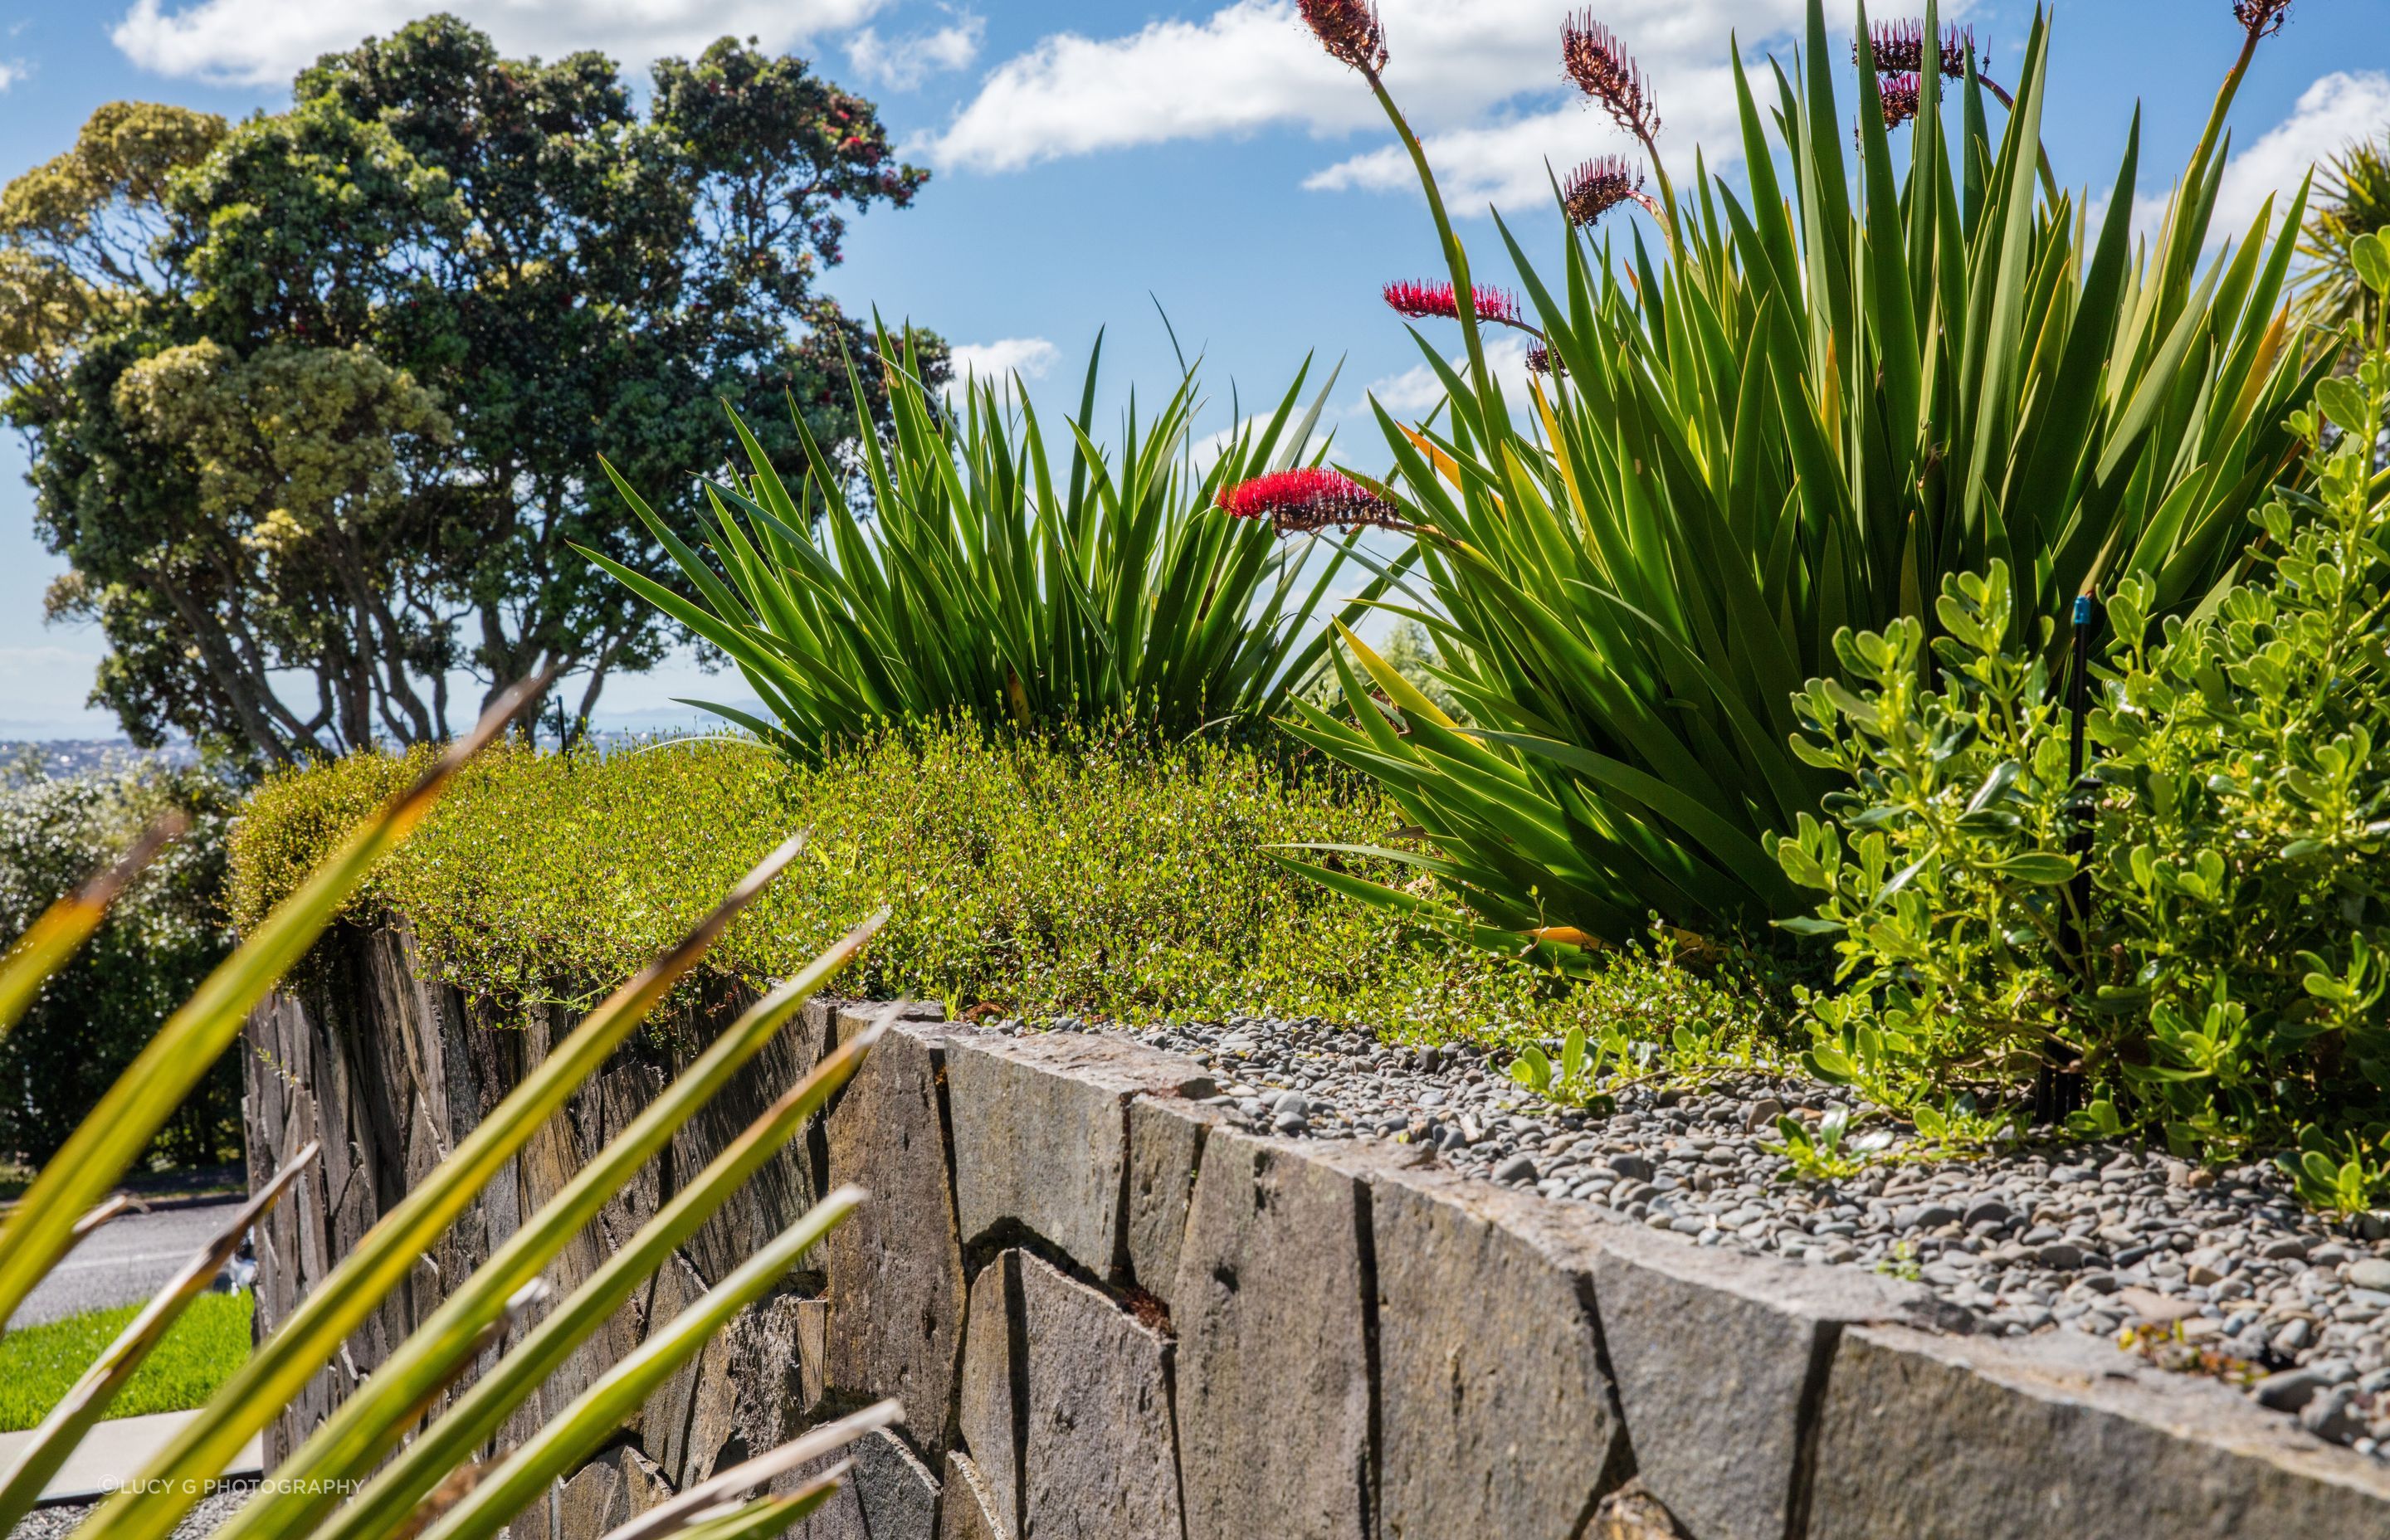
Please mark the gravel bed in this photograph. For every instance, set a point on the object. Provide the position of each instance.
(2214, 1271)
(55, 1522)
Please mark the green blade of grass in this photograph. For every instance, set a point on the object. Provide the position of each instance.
(576, 1433)
(41, 1228)
(343, 1301)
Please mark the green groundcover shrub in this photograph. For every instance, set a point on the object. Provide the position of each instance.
(157, 942)
(1089, 874)
(38, 1363)
(2200, 925)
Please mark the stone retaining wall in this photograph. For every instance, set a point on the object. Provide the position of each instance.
(1109, 1315)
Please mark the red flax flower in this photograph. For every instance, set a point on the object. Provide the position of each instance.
(1899, 95)
(1298, 502)
(1604, 72)
(1419, 301)
(1540, 361)
(1349, 29)
(1899, 49)
(1600, 186)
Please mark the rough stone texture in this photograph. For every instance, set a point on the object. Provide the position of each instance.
(1165, 1145)
(1632, 1513)
(1340, 1318)
(1041, 1134)
(896, 1267)
(1755, 1336)
(967, 1508)
(1273, 1355)
(1494, 1416)
(888, 1495)
(991, 1402)
(1097, 1463)
(813, 1354)
(613, 1489)
(1921, 1436)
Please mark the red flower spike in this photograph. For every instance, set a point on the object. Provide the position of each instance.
(1419, 301)
(1349, 29)
(1298, 502)
(1600, 186)
(1899, 95)
(1604, 71)
(1540, 361)
(1899, 49)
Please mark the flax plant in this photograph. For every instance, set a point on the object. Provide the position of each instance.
(1001, 571)
(439, 1475)
(1800, 409)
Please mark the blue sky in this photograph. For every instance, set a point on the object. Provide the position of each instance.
(1089, 159)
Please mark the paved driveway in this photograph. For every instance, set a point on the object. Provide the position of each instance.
(124, 1262)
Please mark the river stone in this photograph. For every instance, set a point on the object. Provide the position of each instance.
(1097, 1463)
(967, 1508)
(894, 1267)
(1041, 1134)
(1165, 1146)
(1495, 1418)
(2089, 1441)
(990, 1406)
(1272, 1355)
(1716, 1357)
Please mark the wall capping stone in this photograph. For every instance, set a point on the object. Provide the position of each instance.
(1111, 1313)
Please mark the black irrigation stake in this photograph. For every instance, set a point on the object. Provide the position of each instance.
(2057, 1091)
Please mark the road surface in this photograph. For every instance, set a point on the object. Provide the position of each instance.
(124, 1262)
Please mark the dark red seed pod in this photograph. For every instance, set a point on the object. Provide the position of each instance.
(1605, 71)
(1349, 29)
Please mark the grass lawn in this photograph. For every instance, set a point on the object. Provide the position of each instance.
(38, 1363)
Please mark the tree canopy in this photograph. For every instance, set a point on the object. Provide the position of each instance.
(315, 400)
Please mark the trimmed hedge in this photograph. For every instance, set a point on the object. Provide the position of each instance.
(1093, 875)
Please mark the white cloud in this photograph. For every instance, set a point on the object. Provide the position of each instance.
(1030, 357)
(902, 63)
(1479, 78)
(10, 73)
(2336, 111)
(1418, 389)
(264, 41)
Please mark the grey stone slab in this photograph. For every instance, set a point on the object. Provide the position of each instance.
(888, 1495)
(894, 1268)
(898, 1496)
(1921, 1437)
(1494, 1416)
(1632, 1513)
(1273, 1359)
(1753, 1335)
(813, 1354)
(991, 1403)
(1041, 1134)
(1098, 1462)
(966, 1509)
(1165, 1146)
(612, 1490)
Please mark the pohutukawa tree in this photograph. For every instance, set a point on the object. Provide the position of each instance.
(314, 402)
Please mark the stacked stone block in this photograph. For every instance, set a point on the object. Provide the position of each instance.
(1108, 1314)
